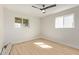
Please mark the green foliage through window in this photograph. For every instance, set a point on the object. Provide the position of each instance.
(18, 20)
(25, 22)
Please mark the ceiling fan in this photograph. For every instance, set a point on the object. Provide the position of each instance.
(43, 9)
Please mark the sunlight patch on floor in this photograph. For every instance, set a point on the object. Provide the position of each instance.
(42, 45)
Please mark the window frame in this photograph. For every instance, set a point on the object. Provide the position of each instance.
(20, 21)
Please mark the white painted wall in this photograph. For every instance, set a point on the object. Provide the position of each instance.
(66, 36)
(1, 27)
(15, 35)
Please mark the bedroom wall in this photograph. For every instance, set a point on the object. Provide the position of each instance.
(66, 36)
(16, 35)
(1, 27)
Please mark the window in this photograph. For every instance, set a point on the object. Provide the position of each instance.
(21, 22)
(66, 21)
(18, 22)
(17, 25)
(59, 22)
(69, 21)
(25, 22)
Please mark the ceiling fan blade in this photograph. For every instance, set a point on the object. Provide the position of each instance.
(49, 7)
(35, 7)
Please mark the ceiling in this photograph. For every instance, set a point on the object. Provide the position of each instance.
(28, 9)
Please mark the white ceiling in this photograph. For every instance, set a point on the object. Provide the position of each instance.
(28, 9)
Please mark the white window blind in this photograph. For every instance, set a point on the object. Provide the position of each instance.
(66, 21)
(69, 21)
(59, 22)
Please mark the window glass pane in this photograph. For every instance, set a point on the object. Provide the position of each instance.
(69, 21)
(17, 25)
(18, 20)
(59, 22)
(25, 22)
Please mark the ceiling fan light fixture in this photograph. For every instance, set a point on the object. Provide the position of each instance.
(43, 11)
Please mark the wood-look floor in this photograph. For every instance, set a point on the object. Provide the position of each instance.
(29, 48)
